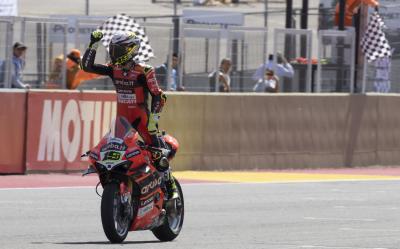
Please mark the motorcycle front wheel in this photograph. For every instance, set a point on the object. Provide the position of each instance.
(115, 215)
(172, 225)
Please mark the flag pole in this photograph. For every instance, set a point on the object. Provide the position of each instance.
(340, 61)
(342, 9)
(87, 8)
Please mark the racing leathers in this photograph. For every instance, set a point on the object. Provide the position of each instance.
(134, 83)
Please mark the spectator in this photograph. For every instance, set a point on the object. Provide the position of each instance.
(74, 76)
(162, 72)
(55, 78)
(73, 67)
(203, 2)
(212, 2)
(270, 83)
(2, 70)
(223, 78)
(18, 62)
(282, 68)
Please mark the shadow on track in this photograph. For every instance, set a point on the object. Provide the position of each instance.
(97, 242)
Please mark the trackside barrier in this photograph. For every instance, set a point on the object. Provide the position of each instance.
(261, 131)
(12, 131)
(215, 131)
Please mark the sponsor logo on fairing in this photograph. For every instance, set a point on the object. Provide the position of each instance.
(114, 146)
(146, 202)
(144, 210)
(133, 153)
(151, 186)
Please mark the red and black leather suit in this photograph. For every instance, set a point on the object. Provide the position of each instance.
(133, 87)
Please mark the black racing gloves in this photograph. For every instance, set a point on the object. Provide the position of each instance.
(95, 37)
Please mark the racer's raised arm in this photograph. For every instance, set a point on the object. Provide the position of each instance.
(90, 54)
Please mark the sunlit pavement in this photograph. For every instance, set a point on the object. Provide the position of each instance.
(189, 177)
(350, 174)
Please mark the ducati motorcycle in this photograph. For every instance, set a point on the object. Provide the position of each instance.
(134, 195)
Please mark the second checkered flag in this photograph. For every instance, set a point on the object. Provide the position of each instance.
(125, 23)
(374, 43)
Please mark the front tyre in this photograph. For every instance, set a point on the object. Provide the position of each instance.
(115, 216)
(175, 211)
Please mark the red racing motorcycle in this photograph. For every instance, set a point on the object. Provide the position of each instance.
(134, 193)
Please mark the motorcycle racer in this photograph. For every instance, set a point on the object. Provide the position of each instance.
(134, 82)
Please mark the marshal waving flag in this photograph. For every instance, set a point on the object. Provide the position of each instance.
(374, 43)
(125, 23)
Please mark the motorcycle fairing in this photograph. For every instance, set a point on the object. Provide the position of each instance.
(119, 146)
(152, 196)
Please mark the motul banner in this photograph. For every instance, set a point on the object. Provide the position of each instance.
(12, 131)
(64, 125)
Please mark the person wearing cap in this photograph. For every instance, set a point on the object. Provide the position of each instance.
(18, 62)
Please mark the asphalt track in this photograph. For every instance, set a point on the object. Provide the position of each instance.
(334, 209)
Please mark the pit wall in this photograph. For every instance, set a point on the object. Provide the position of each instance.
(12, 131)
(49, 130)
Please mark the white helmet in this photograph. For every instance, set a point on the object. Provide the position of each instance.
(123, 47)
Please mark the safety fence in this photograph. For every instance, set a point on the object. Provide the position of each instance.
(336, 64)
(322, 62)
(46, 38)
(48, 130)
(203, 1)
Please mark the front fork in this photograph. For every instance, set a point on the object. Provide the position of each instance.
(126, 192)
(126, 198)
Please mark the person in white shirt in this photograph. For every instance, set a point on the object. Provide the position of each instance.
(282, 68)
(270, 83)
(223, 77)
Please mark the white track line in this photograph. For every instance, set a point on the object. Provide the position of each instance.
(339, 247)
(223, 183)
(47, 188)
(338, 219)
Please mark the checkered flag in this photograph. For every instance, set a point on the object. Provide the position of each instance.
(374, 43)
(122, 22)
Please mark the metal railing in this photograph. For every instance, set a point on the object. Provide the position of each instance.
(336, 61)
(295, 44)
(201, 48)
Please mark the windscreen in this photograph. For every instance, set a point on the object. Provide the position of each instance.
(112, 152)
(120, 128)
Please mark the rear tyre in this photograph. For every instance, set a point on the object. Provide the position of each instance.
(115, 217)
(175, 211)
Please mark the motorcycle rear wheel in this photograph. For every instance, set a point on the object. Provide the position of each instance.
(116, 222)
(173, 222)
